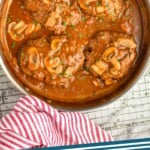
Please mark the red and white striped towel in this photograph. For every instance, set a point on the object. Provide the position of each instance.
(33, 123)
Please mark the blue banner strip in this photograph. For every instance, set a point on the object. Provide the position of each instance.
(137, 144)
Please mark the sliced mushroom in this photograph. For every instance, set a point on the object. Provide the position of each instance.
(56, 44)
(132, 55)
(109, 54)
(99, 67)
(29, 60)
(20, 27)
(116, 66)
(32, 27)
(53, 65)
(16, 30)
(33, 58)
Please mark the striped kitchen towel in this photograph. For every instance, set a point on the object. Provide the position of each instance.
(33, 123)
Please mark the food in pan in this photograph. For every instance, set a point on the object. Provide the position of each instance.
(72, 50)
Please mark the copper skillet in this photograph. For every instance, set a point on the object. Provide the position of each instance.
(137, 72)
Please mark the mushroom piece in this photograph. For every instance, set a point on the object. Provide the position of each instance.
(56, 44)
(53, 65)
(32, 27)
(109, 54)
(132, 55)
(16, 30)
(116, 66)
(99, 67)
(29, 60)
(33, 58)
